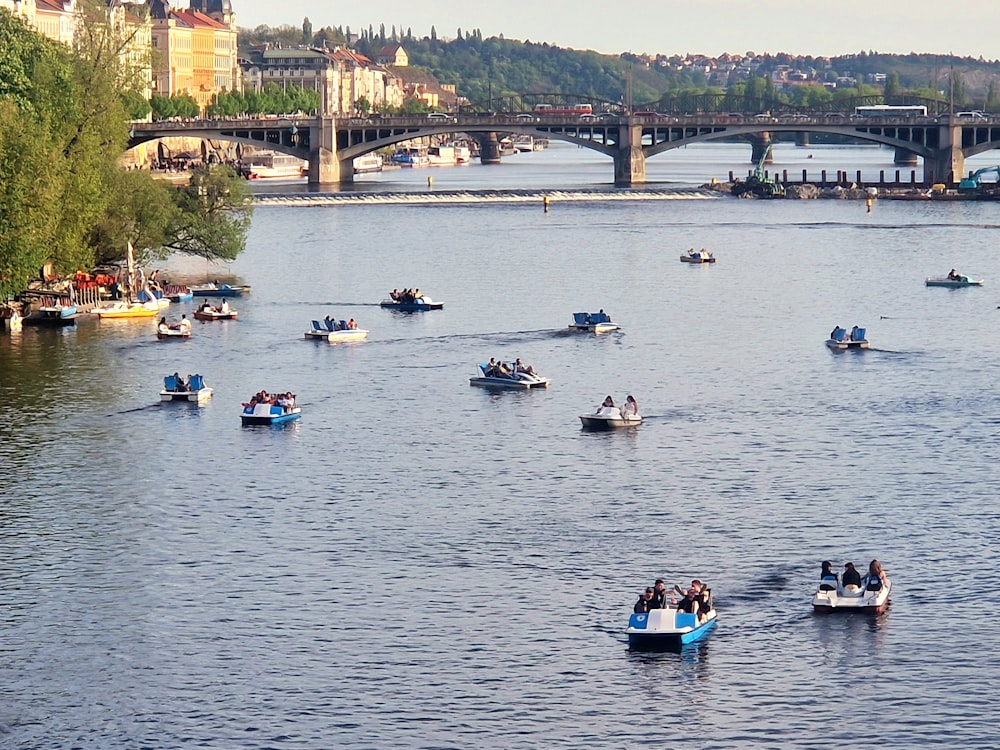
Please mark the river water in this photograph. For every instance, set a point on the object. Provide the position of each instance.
(422, 564)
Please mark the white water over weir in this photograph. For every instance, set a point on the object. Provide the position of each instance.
(479, 196)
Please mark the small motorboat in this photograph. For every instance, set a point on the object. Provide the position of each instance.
(420, 304)
(123, 309)
(335, 331)
(209, 313)
(952, 283)
(609, 418)
(194, 390)
(598, 322)
(698, 256)
(841, 339)
(515, 380)
(853, 598)
(219, 290)
(53, 315)
(668, 628)
(265, 414)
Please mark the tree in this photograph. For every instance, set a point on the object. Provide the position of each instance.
(992, 99)
(892, 86)
(214, 215)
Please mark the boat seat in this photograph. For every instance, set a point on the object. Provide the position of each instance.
(343, 325)
(839, 335)
(275, 409)
(484, 367)
(598, 318)
(859, 335)
(317, 326)
(580, 319)
(686, 620)
(170, 383)
(331, 325)
(196, 383)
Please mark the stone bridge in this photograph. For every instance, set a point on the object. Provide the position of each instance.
(331, 144)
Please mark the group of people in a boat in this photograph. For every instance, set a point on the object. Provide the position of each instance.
(629, 409)
(285, 400)
(183, 325)
(497, 368)
(851, 579)
(407, 296)
(703, 253)
(856, 334)
(696, 600)
(222, 307)
(335, 325)
(180, 384)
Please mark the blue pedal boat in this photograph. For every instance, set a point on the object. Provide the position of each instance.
(598, 322)
(668, 628)
(268, 414)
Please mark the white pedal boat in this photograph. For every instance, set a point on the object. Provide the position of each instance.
(853, 599)
(609, 418)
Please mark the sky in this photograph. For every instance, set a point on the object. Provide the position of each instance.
(711, 27)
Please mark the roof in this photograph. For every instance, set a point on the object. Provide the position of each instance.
(194, 19)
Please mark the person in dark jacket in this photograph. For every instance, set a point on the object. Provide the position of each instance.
(851, 576)
(642, 606)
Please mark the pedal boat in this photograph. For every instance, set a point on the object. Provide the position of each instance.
(700, 257)
(853, 599)
(953, 283)
(211, 314)
(520, 381)
(121, 309)
(196, 390)
(267, 414)
(335, 333)
(55, 315)
(422, 304)
(220, 290)
(844, 340)
(598, 322)
(668, 628)
(609, 418)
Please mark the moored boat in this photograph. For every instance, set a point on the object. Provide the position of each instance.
(509, 376)
(219, 290)
(598, 322)
(176, 389)
(123, 309)
(953, 282)
(336, 331)
(840, 339)
(52, 315)
(668, 628)
(178, 293)
(366, 163)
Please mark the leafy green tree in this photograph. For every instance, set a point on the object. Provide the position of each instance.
(892, 85)
(214, 215)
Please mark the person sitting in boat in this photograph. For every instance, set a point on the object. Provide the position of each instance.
(954, 275)
(608, 403)
(179, 385)
(851, 577)
(394, 295)
(351, 325)
(703, 594)
(875, 579)
(185, 325)
(491, 368)
(835, 333)
(693, 253)
(502, 370)
(689, 603)
(224, 305)
(417, 295)
(520, 367)
(162, 326)
(643, 605)
(659, 600)
(604, 316)
(630, 408)
(828, 580)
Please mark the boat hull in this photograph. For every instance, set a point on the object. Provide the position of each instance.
(202, 394)
(209, 315)
(219, 291)
(135, 311)
(593, 327)
(871, 602)
(173, 335)
(844, 345)
(510, 383)
(953, 283)
(601, 422)
(180, 297)
(356, 334)
(696, 259)
(668, 629)
(50, 320)
(411, 306)
(260, 417)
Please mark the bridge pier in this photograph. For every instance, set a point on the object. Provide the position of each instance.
(904, 157)
(489, 149)
(947, 166)
(325, 167)
(630, 161)
(761, 143)
(802, 139)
